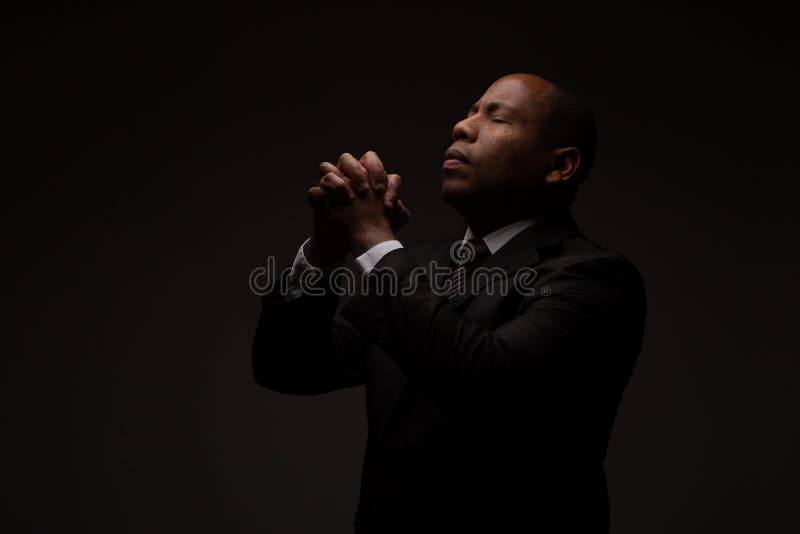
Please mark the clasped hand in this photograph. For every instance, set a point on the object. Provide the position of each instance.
(356, 206)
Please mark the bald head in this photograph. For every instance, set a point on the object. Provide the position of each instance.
(534, 86)
(562, 119)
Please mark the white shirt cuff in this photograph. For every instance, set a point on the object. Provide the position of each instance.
(300, 265)
(370, 258)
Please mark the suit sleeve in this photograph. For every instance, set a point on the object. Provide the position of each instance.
(595, 307)
(303, 346)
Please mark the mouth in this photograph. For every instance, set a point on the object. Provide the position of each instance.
(454, 158)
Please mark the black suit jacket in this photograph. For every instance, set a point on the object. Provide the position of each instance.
(488, 414)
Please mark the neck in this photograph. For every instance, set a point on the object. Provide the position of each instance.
(483, 220)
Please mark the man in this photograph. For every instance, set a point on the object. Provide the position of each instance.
(488, 411)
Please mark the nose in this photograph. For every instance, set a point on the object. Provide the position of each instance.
(464, 130)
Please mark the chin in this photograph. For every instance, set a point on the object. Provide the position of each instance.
(455, 191)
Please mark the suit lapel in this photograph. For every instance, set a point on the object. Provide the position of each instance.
(524, 249)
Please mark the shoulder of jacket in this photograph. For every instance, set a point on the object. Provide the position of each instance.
(582, 252)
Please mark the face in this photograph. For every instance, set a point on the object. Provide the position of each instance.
(496, 149)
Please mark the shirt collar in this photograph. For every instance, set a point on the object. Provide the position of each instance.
(496, 239)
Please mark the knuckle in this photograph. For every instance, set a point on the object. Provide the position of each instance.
(361, 172)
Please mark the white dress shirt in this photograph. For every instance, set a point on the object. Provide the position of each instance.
(501, 236)
(369, 259)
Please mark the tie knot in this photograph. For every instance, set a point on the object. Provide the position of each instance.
(465, 256)
(469, 251)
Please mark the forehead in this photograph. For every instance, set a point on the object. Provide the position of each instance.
(523, 98)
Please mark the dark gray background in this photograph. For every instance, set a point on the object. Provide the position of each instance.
(157, 158)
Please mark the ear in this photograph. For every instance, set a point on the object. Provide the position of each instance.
(564, 164)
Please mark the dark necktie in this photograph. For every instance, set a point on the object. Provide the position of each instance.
(465, 257)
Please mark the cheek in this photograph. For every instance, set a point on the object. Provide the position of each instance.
(526, 157)
(518, 166)
(509, 157)
(501, 152)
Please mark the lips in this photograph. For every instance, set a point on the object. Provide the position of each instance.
(454, 153)
(453, 159)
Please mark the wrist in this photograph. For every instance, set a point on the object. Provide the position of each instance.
(319, 255)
